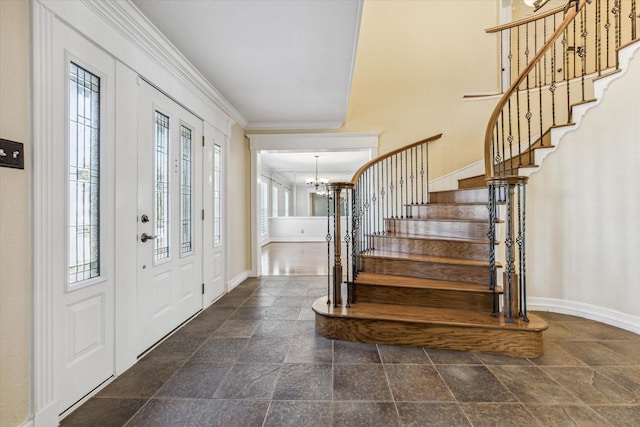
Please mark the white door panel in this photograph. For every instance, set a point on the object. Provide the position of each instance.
(169, 229)
(83, 219)
(213, 199)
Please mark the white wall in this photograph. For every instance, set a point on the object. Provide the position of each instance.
(583, 222)
(301, 229)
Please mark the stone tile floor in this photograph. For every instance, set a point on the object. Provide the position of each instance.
(253, 359)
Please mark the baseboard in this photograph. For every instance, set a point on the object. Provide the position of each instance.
(46, 417)
(28, 423)
(233, 283)
(450, 180)
(588, 311)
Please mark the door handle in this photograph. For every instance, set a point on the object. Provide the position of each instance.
(144, 237)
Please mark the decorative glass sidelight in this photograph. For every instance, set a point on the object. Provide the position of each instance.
(161, 196)
(84, 175)
(186, 189)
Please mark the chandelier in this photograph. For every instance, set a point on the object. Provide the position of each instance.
(319, 184)
(536, 4)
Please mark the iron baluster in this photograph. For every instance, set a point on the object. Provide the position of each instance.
(523, 272)
(347, 241)
(508, 285)
(492, 249)
(328, 237)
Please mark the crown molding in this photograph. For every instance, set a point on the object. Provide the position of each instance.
(320, 125)
(125, 18)
(313, 141)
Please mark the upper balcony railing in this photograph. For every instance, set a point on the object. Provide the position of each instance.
(548, 63)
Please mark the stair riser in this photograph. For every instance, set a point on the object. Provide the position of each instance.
(431, 211)
(441, 248)
(427, 270)
(473, 182)
(457, 229)
(516, 343)
(443, 298)
(480, 195)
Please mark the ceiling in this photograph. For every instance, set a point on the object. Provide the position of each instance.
(333, 165)
(283, 64)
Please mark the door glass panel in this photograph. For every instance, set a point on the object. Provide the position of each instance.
(186, 185)
(217, 196)
(162, 174)
(84, 175)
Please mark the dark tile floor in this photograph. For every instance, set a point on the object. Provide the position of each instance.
(253, 359)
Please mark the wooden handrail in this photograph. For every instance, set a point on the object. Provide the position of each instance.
(378, 159)
(525, 21)
(488, 136)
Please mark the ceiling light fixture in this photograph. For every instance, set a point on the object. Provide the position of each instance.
(319, 184)
(536, 4)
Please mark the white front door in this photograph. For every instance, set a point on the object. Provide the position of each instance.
(213, 245)
(169, 285)
(82, 218)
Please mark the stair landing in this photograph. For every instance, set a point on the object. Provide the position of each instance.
(431, 327)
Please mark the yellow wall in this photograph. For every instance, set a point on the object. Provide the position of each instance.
(415, 61)
(15, 308)
(239, 204)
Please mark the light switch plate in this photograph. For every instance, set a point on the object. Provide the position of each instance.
(11, 154)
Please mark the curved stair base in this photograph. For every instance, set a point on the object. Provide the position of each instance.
(430, 327)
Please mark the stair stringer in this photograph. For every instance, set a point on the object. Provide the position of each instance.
(578, 111)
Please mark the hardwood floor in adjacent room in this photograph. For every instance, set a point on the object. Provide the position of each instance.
(295, 259)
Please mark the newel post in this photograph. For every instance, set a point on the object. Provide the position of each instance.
(511, 192)
(335, 190)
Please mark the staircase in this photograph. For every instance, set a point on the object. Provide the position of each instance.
(428, 268)
(424, 285)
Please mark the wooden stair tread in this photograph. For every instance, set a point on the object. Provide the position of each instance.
(438, 238)
(454, 204)
(376, 253)
(474, 221)
(426, 315)
(390, 280)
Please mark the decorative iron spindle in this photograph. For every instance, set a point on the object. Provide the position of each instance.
(372, 209)
(492, 247)
(328, 237)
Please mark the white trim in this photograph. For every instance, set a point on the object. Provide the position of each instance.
(588, 311)
(294, 125)
(29, 423)
(44, 390)
(313, 142)
(233, 283)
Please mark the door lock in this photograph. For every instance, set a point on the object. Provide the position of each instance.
(144, 219)
(144, 237)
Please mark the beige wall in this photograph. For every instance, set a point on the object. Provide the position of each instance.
(415, 61)
(239, 204)
(15, 307)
